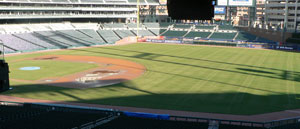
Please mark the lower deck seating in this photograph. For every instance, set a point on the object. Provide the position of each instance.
(198, 34)
(124, 33)
(143, 123)
(175, 33)
(93, 34)
(224, 126)
(218, 35)
(109, 35)
(18, 44)
(77, 35)
(145, 33)
(16, 117)
(245, 36)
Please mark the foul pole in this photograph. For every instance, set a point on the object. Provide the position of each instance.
(138, 19)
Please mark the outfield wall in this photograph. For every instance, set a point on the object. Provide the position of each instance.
(217, 42)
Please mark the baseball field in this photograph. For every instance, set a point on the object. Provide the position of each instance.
(176, 77)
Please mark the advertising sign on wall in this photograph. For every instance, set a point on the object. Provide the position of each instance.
(240, 3)
(220, 10)
(222, 2)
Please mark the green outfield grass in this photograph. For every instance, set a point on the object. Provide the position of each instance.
(48, 69)
(190, 78)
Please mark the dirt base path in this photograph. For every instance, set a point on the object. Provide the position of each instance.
(254, 118)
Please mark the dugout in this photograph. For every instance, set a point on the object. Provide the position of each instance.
(4, 70)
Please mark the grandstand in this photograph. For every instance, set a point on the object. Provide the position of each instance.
(198, 34)
(44, 36)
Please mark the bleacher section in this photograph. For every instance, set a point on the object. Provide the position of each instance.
(182, 26)
(218, 35)
(116, 25)
(125, 33)
(62, 39)
(152, 25)
(76, 35)
(226, 27)
(109, 36)
(145, 33)
(165, 25)
(144, 123)
(198, 34)
(174, 33)
(245, 36)
(92, 34)
(204, 27)
(30, 37)
(18, 44)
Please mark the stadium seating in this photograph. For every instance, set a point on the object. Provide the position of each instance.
(92, 34)
(60, 1)
(109, 36)
(134, 26)
(125, 33)
(164, 25)
(145, 33)
(224, 126)
(204, 27)
(198, 34)
(15, 117)
(226, 27)
(182, 26)
(152, 25)
(8, 50)
(62, 39)
(143, 123)
(85, 25)
(30, 37)
(218, 35)
(245, 36)
(92, 1)
(115, 25)
(135, 1)
(76, 35)
(260, 39)
(18, 44)
(174, 33)
(288, 126)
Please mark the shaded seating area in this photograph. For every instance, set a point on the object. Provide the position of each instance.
(145, 123)
(18, 116)
(218, 35)
(245, 36)
(204, 27)
(182, 26)
(225, 126)
(198, 34)
(226, 27)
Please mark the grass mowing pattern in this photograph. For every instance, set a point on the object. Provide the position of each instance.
(48, 69)
(190, 78)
